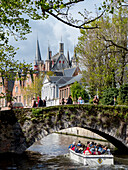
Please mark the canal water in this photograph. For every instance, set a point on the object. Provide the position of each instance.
(51, 153)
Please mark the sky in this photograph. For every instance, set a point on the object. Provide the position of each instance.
(50, 32)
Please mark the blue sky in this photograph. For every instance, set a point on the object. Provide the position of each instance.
(50, 32)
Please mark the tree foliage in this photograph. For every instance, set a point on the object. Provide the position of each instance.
(35, 88)
(103, 52)
(14, 22)
(108, 96)
(77, 90)
(123, 95)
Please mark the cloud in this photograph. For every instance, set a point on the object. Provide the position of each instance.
(49, 32)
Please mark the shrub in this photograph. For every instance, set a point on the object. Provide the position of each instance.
(123, 95)
(108, 96)
(78, 90)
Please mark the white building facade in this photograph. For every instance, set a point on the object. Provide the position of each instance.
(50, 89)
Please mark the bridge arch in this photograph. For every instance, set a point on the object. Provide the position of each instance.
(29, 125)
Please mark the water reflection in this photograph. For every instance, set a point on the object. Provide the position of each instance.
(51, 153)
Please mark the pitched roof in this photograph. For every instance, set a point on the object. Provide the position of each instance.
(55, 56)
(69, 72)
(76, 78)
(58, 73)
(59, 79)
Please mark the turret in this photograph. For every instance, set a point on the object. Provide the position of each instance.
(74, 60)
(68, 58)
(61, 50)
(48, 61)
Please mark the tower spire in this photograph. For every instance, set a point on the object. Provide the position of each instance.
(68, 58)
(38, 55)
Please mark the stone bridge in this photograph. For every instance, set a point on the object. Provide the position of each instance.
(19, 129)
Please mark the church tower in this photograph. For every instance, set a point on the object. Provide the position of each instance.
(48, 61)
(61, 50)
(38, 61)
(74, 60)
(68, 59)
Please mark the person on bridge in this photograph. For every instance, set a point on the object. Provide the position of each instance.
(80, 100)
(40, 104)
(95, 100)
(69, 100)
(44, 103)
(34, 102)
(63, 101)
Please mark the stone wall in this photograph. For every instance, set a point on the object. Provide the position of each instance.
(19, 129)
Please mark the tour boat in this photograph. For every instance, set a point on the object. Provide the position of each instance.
(91, 160)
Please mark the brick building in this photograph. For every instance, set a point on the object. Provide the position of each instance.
(59, 64)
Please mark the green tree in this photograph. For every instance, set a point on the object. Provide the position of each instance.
(103, 53)
(14, 22)
(77, 90)
(123, 95)
(35, 88)
(109, 95)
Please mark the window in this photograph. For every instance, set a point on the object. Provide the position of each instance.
(28, 79)
(16, 98)
(60, 94)
(19, 98)
(24, 100)
(65, 93)
(0, 89)
(28, 99)
(16, 81)
(16, 89)
(0, 102)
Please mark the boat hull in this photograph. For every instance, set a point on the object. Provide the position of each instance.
(91, 160)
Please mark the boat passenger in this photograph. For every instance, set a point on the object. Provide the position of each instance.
(72, 145)
(81, 150)
(88, 143)
(95, 145)
(92, 149)
(91, 144)
(79, 143)
(77, 149)
(100, 149)
(108, 151)
(95, 152)
(87, 151)
(103, 150)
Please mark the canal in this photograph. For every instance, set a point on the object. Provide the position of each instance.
(52, 153)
